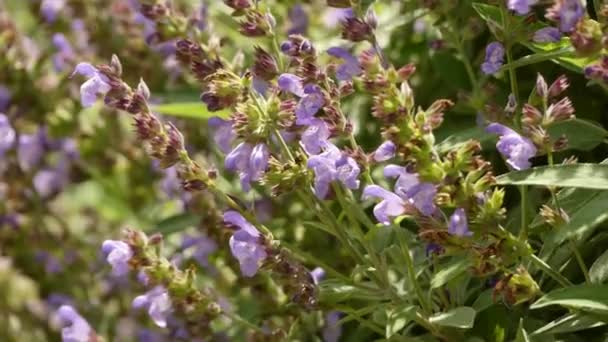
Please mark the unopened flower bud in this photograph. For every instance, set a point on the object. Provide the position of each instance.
(356, 30)
(406, 71)
(116, 65)
(143, 90)
(531, 115)
(558, 86)
(562, 110)
(541, 86)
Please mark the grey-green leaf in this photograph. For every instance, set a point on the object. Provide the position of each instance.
(589, 176)
(192, 110)
(569, 323)
(599, 270)
(522, 335)
(581, 134)
(449, 272)
(176, 223)
(462, 317)
(397, 319)
(592, 298)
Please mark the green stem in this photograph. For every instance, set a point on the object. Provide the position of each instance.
(579, 259)
(409, 263)
(235, 317)
(523, 232)
(537, 58)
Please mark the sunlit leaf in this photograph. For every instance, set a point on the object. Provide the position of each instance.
(589, 176)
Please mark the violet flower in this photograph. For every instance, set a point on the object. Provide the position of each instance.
(158, 304)
(30, 149)
(517, 149)
(245, 244)
(7, 134)
(203, 247)
(350, 68)
(335, 16)
(521, 7)
(390, 205)
(570, 12)
(51, 8)
(547, 35)
(311, 97)
(317, 275)
(299, 20)
(332, 329)
(50, 181)
(495, 54)
(5, 98)
(64, 53)
(420, 194)
(75, 328)
(333, 165)
(223, 134)
(458, 224)
(315, 137)
(97, 84)
(385, 151)
(249, 161)
(118, 254)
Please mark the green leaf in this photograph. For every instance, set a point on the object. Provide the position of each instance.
(397, 319)
(484, 300)
(457, 139)
(175, 224)
(599, 270)
(488, 13)
(592, 298)
(449, 272)
(522, 335)
(569, 323)
(582, 134)
(192, 110)
(589, 176)
(461, 317)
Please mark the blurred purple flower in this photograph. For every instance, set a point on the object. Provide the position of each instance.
(118, 255)
(52, 265)
(147, 335)
(7, 134)
(390, 205)
(245, 244)
(49, 181)
(315, 137)
(569, 13)
(333, 165)
(158, 304)
(334, 16)
(97, 84)
(332, 329)
(51, 8)
(385, 151)
(317, 275)
(223, 134)
(5, 98)
(64, 53)
(350, 68)
(408, 186)
(517, 149)
(348, 171)
(299, 20)
(547, 35)
(458, 224)
(249, 161)
(495, 54)
(260, 85)
(31, 149)
(291, 84)
(75, 328)
(203, 247)
(521, 6)
(311, 97)
(433, 248)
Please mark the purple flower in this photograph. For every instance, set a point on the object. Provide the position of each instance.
(50, 9)
(458, 224)
(334, 16)
(258, 162)
(570, 13)
(97, 84)
(309, 104)
(64, 53)
(385, 151)
(517, 149)
(223, 134)
(311, 97)
(260, 85)
(52, 265)
(292, 84)
(350, 68)
(7, 134)
(317, 275)
(521, 6)
(31, 149)
(249, 161)
(75, 328)
(315, 137)
(495, 54)
(433, 248)
(245, 244)
(49, 181)
(118, 255)
(299, 20)
(332, 329)
(390, 205)
(5, 98)
(408, 186)
(333, 165)
(547, 35)
(203, 246)
(158, 304)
